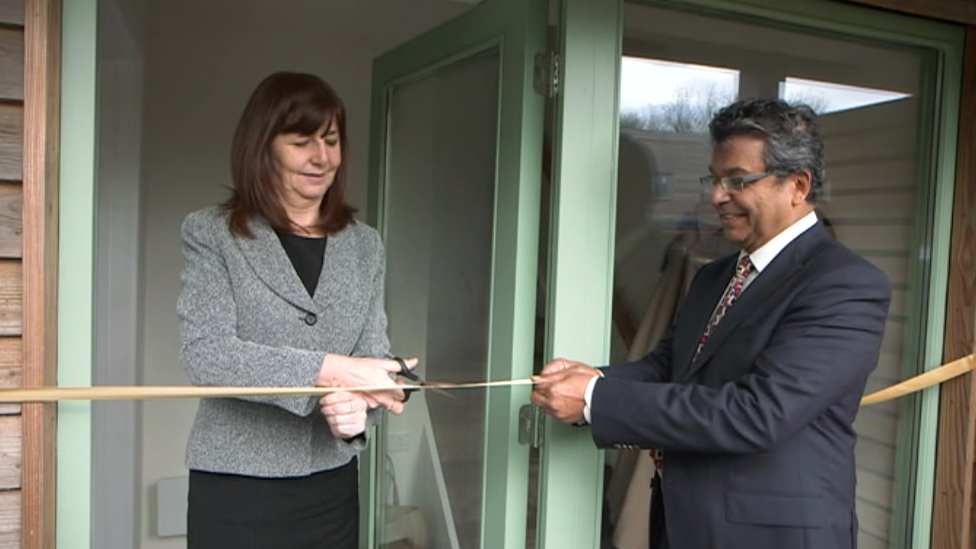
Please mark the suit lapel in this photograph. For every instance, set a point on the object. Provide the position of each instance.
(271, 264)
(338, 250)
(775, 278)
(698, 310)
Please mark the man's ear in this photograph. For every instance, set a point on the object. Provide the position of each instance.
(802, 185)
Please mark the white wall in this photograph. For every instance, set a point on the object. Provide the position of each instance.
(203, 59)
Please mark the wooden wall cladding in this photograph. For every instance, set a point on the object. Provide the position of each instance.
(11, 64)
(10, 433)
(11, 142)
(11, 220)
(954, 518)
(11, 359)
(11, 298)
(42, 98)
(12, 12)
(10, 519)
(11, 286)
(11, 369)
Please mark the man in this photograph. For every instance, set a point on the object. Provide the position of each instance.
(750, 398)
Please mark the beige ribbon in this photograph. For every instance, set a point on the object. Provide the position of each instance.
(938, 375)
(925, 380)
(54, 394)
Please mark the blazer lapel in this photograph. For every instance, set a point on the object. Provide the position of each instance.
(774, 279)
(339, 248)
(698, 310)
(271, 264)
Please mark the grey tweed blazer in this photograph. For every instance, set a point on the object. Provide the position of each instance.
(246, 319)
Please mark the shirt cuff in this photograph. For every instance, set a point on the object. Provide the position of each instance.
(588, 396)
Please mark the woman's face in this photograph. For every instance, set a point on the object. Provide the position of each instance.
(307, 164)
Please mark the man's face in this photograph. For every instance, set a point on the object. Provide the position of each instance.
(752, 216)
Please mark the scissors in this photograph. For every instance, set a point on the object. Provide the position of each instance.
(409, 374)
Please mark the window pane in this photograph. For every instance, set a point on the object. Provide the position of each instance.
(662, 96)
(869, 96)
(827, 97)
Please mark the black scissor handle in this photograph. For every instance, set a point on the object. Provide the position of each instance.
(407, 373)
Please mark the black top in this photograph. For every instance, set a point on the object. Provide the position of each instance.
(307, 253)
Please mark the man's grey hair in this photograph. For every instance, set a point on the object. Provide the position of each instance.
(791, 134)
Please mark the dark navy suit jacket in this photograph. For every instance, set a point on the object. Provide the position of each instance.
(757, 430)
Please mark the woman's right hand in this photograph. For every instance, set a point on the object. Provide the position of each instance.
(345, 371)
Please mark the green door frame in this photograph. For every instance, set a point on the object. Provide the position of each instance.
(581, 249)
(76, 260)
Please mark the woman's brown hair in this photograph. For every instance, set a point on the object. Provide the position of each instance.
(284, 102)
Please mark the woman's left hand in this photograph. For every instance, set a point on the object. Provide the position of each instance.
(345, 413)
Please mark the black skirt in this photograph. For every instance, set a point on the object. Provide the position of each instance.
(320, 511)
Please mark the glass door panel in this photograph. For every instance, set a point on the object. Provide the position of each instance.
(443, 132)
(456, 156)
(874, 105)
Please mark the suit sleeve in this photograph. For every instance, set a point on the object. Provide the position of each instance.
(374, 341)
(211, 352)
(821, 352)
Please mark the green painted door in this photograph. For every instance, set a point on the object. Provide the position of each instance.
(620, 196)
(455, 190)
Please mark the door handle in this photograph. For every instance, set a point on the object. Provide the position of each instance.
(532, 424)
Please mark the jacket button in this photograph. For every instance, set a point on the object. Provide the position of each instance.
(311, 319)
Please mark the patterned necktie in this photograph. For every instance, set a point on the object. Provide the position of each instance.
(742, 271)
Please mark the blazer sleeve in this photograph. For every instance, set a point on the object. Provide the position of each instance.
(820, 352)
(211, 352)
(374, 340)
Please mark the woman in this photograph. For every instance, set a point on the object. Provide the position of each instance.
(282, 287)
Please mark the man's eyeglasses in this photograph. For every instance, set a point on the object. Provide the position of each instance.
(730, 184)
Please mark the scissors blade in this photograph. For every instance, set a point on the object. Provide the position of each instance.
(409, 374)
(432, 387)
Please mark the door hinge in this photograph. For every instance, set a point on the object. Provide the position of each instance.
(545, 76)
(532, 426)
